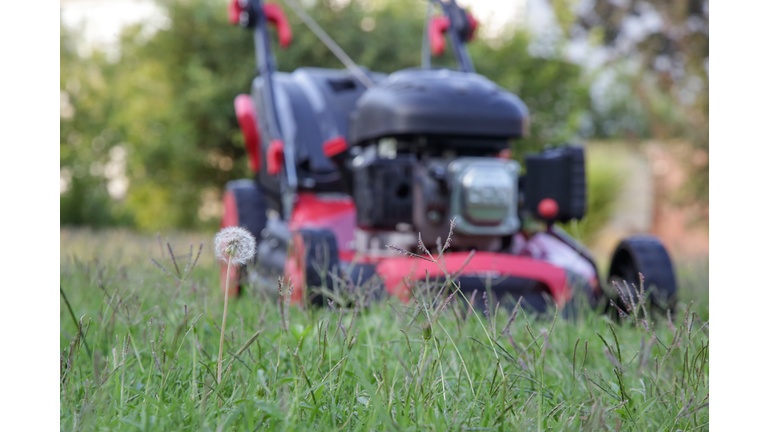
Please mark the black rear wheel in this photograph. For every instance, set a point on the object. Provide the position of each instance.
(644, 255)
(245, 205)
(312, 260)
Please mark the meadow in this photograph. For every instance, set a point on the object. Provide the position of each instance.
(139, 351)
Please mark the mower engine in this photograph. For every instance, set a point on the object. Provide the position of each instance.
(425, 153)
(408, 195)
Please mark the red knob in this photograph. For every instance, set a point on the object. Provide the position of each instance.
(548, 208)
(275, 157)
(334, 146)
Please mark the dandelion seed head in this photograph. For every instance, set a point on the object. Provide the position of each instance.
(234, 242)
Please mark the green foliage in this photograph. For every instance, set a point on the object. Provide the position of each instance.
(168, 102)
(552, 88)
(86, 137)
(148, 356)
(664, 70)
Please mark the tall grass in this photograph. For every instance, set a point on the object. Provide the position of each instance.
(357, 365)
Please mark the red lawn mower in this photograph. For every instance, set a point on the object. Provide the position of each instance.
(350, 161)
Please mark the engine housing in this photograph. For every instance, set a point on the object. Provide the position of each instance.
(484, 196)
(478, 194)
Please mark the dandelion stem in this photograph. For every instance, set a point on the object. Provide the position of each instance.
(224, 320)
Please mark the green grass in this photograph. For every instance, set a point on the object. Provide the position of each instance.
(148, 358)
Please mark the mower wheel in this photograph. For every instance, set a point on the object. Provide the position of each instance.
(645, 255)
(245, 205)
(313, 257)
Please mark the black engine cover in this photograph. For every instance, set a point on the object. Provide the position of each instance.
(437, 102)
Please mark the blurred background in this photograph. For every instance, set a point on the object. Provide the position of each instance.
(149, 135)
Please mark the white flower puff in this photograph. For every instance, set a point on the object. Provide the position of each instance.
(236, 242)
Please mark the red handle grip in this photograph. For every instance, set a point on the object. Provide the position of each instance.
(472, 26)
(276, 16)
(438, 26)
(233, 12)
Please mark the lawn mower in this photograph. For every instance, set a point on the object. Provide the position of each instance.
(348, 163)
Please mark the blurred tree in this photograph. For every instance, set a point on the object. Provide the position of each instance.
(661, 48)
(552, 88)
(87, 140)
(167, 101)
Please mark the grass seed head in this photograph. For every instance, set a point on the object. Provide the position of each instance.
(426, 330)
(234, 242)
(261, 392)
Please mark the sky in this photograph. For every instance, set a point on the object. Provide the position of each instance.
(102, 20)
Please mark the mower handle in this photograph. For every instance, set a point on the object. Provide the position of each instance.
(460, 26)
(274, 14)
(437, 28)
(280, 153)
